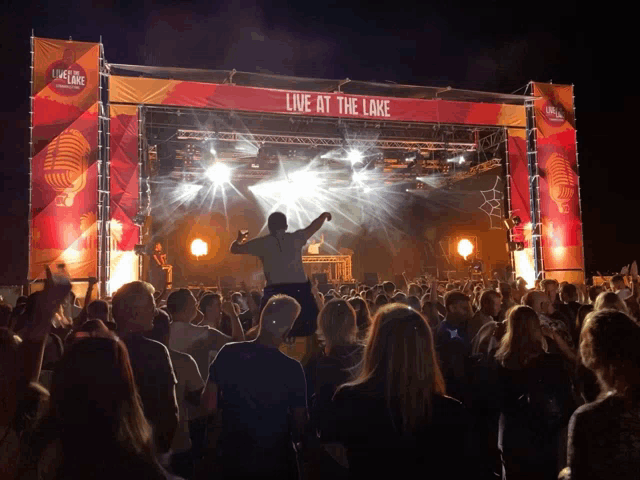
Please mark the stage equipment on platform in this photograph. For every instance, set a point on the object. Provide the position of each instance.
(515, 246)
(340, 270)
(512, 222)
(141, 249)
(140, 219)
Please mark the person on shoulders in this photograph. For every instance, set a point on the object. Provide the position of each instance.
(281, 256)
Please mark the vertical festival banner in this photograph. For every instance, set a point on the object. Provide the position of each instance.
(520, 204)
(125, 178)
(64, 193)
(558, 193)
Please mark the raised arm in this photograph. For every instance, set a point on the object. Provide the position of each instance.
(316, 225)
(239, 245)
(237, 334)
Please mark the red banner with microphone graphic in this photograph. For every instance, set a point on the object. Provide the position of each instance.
(559, 201)
(64, 193)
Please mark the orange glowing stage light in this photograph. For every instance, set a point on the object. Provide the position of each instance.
(199, 248)
(465, 248)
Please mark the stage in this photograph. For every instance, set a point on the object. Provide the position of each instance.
(130, 156)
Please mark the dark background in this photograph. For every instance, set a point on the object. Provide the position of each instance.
(494, 46)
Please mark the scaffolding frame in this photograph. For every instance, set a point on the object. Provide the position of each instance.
(534, 183)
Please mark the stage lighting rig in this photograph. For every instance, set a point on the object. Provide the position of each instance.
(512, 222)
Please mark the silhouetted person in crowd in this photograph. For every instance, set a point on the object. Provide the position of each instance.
(570, 307)
(338, 327)
(506, 292)
(380, 301)
(619, 287)
(536, 400)
(604, 435)
(363, 316)
(95, 426)
(188, 391)
(133, 308)
(259, 395)
(610, 301)
(281, 256)
(203, 341)
(490, 306)
(551, 288)
(98, 309)
(394, 418)
(454, 345)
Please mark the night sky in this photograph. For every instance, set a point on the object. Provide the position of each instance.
(492, 46)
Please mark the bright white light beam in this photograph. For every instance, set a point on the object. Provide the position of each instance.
(218, 173)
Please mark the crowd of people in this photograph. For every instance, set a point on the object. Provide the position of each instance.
(478, 379)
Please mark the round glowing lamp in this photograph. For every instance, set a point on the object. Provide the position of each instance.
(199, 248)
(465, 248)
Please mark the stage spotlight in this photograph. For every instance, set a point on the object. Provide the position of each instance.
(218, 173)
(139, 219)
(212, 151)
(515, 246)
(460, 160)
(199, 248)
(512, 222)
(354, 156)
(465, 248)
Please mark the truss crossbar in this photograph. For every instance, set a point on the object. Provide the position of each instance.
(322, 141)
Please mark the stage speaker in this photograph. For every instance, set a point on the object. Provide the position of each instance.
(371, 279)
(321, 278)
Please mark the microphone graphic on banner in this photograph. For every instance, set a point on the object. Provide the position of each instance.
(65, 166)
(562, 182)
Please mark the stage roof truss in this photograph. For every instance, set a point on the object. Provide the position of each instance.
(314, 141)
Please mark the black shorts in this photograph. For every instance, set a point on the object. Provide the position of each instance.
(307, 322)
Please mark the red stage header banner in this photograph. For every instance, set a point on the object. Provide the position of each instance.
(557, 164)
(63, 166)
(179, 93)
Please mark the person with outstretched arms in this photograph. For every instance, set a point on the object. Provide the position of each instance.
(281, 256)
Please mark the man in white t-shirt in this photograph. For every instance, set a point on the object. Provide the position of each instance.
(188, 391)
(281, 256)
(196, 340)
(619, 286)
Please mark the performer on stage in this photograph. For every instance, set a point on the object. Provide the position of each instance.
(314, 248)
(161, 271)
(281, 256)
